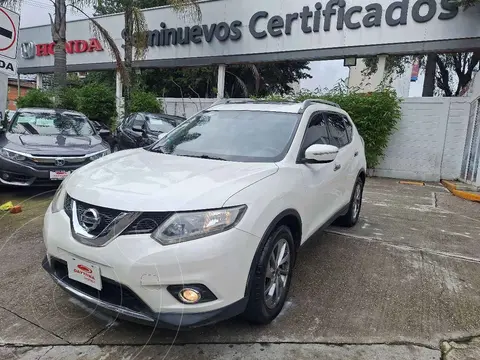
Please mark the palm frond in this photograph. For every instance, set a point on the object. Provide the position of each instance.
(188, 8)
(103, 35)
(240, 82)
(140, 29)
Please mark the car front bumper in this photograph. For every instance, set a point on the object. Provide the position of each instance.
(173, 321)
(136, 271)
(27, 174)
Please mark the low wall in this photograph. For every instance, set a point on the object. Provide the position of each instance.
(429, 141)
(185, 107)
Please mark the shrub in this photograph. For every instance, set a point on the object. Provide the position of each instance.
(97, 102)
(143, 101)
(375, 114)
(69, 99)
(35, 98)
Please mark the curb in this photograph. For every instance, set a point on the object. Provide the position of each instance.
(460, 193)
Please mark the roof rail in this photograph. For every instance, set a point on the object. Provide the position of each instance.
(248, 101)
(309, 102)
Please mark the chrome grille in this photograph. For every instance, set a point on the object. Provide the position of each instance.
(146, 223)
(106, 215)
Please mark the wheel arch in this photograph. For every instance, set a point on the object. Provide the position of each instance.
(288, 217)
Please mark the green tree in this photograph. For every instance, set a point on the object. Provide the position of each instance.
(445, 74)
(442, 71)
(35, 98)
(97, 102)
(145, 102)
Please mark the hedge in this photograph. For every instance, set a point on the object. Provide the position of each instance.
(375, 114)
(143, 101)
(97, 102)
(35, 98)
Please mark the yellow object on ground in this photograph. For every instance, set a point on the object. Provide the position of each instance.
(419, 183)
(472, 196)
(7, 206)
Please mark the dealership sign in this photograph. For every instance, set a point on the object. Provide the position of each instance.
(268, 30)
(335, 15)
(29, 49)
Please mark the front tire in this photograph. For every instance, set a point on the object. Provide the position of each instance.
(273, 274)
(351, 217)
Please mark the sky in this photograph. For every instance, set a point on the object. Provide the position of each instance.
(325, 74)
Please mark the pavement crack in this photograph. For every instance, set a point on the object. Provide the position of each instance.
(45, 353)
(405, 247)
(102, 330)
(34, 324)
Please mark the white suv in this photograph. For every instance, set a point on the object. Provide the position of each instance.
(205, 224)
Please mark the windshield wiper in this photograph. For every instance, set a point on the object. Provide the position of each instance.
(204, 157)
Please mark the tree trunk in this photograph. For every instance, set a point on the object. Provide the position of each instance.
(430, 70)
(60, 56)
(127, 94)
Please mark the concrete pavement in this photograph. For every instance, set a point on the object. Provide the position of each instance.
(396, 286)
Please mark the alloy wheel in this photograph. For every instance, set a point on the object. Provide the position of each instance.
(276, 276)
(357, 201)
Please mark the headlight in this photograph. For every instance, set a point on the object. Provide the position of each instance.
(58, 200)
(99, 154)
(182, 227)
(12, 155)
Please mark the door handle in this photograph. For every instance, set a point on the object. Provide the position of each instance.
(356, 154)
(337, 167)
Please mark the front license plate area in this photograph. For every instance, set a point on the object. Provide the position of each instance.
(58, 174)
(84, 272)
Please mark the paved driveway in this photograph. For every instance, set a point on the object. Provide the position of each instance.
(396, 286)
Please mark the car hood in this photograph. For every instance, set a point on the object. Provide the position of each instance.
(45, 145)
(140, 180)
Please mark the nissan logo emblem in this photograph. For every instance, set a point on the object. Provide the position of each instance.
(90, 219)
(59, 162)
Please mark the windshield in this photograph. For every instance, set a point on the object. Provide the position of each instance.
(38, 123)
(160, 124)
(250, 136)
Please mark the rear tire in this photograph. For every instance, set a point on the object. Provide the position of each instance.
(351, 217)
(272, 277)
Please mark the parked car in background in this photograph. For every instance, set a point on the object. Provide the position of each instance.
(41, 146)
(142, 129)
(104, 132)
(205, 224)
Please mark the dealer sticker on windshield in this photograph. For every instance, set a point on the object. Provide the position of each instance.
(84, 272)
(59, 174)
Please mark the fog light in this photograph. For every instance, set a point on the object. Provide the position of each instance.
(189, 295)
(5, 176)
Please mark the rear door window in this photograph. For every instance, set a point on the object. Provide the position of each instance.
(337, 130)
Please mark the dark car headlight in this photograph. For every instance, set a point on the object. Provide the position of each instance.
(99, 154)
(12, 155)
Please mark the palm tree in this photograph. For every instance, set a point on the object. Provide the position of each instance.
(135, 28)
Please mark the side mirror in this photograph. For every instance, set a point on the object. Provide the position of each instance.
(161, 136)
(320, 153)
(104, 133)
(137, 128)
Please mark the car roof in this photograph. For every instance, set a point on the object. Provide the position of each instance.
(50, 111)
(275, 106)
(173, 117)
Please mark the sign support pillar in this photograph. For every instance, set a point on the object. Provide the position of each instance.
(118, 94)
(221, 81)
(39, 82)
